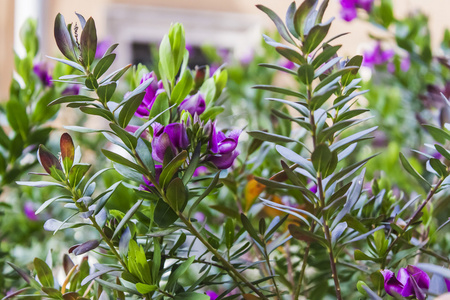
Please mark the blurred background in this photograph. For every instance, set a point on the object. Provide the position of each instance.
(234, 25)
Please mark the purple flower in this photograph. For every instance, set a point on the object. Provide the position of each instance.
(172, 136)
(41, 70)
(193, 104)
(348, 8)
(212, 295)
(377, 56)
(447, 283)
(288, 64)
(410, 281)
(134, 128)
(202, 170)
(28, 209)
(405, 64)
(73, 89)
(102, 47)
(224, 147)
(153, 90)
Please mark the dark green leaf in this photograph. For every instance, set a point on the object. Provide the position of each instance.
(300, 16)
(315, 36)
(412, 171)
(127, 217)
(88, 42)
(278, 23)
(176, 194)
(72, 98)
(105, 91)
(321, 157)
(103, 65)
(172, 168)
(306, 73)
(164, 216)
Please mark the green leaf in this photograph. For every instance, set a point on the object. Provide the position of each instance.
(104, 113)
(278, 23)
(290, 54)
(182, 88)
(409, 168)
(145, 288)
(211, 113)
(116, 75)
(72, 98)
(106, 90)
(321, 157)
(18, 118)
(172, 168)
(159, 111)
(279, 68)
(229, 233)
(193, 164)
(42, 112)
(69, 63)
(127, 217)
(117, 287)
(191, 296)
(306, 73)
(325, 56)
(88, 42)
(300, 16)
(129, 108)
(276, 89)
(250, 229)
(164, 216)
(439, 167)
(143, 151)
(295, 158)
(174, 276)
(438, 134)
(77, 173)
(290, 19)
(355, 61)
(123, 161)
(208, 190)
(315, 36)
(103, 65)
(270, 137)
(176, 194)
(63, 38)
(44, 273)
(306, 236)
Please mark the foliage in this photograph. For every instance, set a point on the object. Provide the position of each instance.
(201, 217)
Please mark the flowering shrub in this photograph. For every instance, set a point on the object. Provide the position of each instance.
(328, 231)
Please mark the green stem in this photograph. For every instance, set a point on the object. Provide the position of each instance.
(302, 271)
(226, 264)
(326, 229)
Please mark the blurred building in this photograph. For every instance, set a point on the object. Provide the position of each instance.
(234, 25)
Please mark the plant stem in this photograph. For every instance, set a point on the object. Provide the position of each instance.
(302, 271)
(327, 233)
(226, 264)
(326, 229)
(109, 242)
(272, 273)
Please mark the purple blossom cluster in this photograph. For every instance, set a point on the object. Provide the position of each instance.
(410, 281)
(349, 8)
(173, 138)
